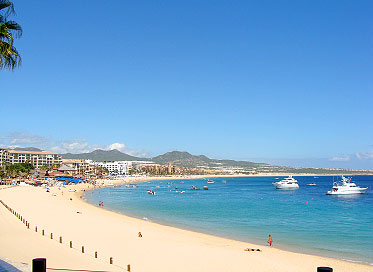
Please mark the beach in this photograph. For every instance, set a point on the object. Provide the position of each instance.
(115, 236)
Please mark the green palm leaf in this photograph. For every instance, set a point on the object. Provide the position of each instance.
(9, 56)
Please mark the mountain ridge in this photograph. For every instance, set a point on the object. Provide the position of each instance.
(103, 155)
(179, 158)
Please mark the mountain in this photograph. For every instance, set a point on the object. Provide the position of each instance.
(186, 159)
(103, 155)
(178, 158)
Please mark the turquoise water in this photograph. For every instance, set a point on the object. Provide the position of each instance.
(250, 208)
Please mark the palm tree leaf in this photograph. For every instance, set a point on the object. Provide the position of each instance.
(14, 28)
(9, 56)
(6, 4)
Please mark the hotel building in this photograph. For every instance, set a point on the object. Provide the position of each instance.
(37, 158)
(116, 167)
(3, 155)
(83, 167)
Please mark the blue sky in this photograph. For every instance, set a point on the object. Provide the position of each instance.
(285, 82)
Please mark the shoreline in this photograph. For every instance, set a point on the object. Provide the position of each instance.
(287, 248)
(162, 248)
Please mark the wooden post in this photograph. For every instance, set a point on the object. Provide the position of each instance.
(82, 249)
(51, 235)
(128, 267)
(71, 244)
(60, 239)
(96, 254)
(36, 228)
(111, 260)
(42, 232)
(39, 265)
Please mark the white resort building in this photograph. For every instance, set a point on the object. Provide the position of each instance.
(37, 158)
(117, 167)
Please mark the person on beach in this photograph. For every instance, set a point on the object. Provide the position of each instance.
(252, 249)
(269, 240)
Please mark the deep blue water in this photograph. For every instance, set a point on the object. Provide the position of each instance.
(250, 208)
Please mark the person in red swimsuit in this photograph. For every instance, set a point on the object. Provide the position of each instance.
(269, 240)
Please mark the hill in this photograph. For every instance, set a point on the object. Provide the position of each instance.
(103, 155)
(186, 159)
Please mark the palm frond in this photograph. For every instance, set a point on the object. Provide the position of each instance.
(9, 56)
(14, 28)
(6, 4)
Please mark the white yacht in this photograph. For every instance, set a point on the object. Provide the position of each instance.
(345, 187)
(288, 183)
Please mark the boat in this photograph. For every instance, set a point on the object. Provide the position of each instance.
(210, 181)
(345, 187)
(288, 183)
(151, 192)
(195, 188)
(205, 188)
(311, 184)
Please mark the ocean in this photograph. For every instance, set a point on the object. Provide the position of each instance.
(249, 208)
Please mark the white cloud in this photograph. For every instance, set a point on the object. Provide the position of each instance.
(74, 146)
(69, 146)
(364, 155)
(117, 146)
(18, 139)
(340, 158)
(123, 148)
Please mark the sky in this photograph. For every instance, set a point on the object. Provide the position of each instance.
(284, 82)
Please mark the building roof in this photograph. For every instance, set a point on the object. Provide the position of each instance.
(66, 168)
(31, 152)
(73, 161)
(55, 173)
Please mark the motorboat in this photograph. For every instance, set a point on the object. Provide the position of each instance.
(311, 184)
(288, 183)
(151, 192)
(345, 187)
(205, 188)
(195, 188)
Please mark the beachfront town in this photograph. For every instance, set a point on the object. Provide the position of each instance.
(18, 166)
(37, 166)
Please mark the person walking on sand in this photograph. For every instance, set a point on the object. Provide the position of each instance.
(269, 240)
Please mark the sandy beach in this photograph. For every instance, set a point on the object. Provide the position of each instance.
(161, 248)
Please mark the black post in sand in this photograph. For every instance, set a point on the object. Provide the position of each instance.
(39, 265)
(324, 269)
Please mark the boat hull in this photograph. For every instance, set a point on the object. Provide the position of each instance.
(286, 186)
(349, 192)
